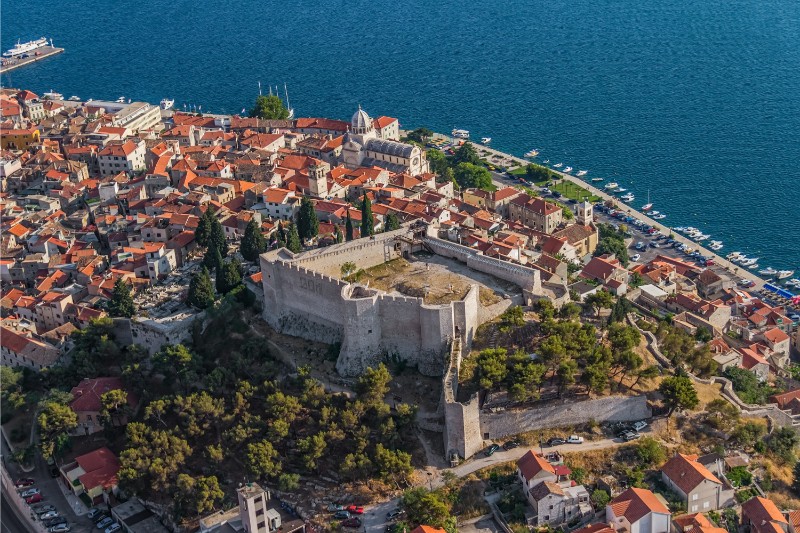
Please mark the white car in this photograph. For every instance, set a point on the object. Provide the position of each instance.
(29, 492)
(640, 425)
(574, 439)
(48, 515)
(636, 257)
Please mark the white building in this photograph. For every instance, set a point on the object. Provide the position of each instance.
(638, 511)
(127, 156)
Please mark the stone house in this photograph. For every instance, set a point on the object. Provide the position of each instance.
(93, 474)
(21, 350)
(555, 505)
(535, 213)
(638, 511)
(87, 403)
(694, 483)
(533, 469)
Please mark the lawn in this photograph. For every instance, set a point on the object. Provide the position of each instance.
(572, 191)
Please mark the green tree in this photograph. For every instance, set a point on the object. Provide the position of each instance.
(600, 499)
(203, 230)
(212, 260)
(466, 153)
(288, 482)
(253, 242)
(348, 228)
(281, 232)
(647, 373)
(152, 460)
(312, 448)
(420, 135)
(198, 495)
(567, 370)
(796, 478)
(782, 444)
(601, 299)
(55, 421)
(269, 108)
(395, 465)
(307, 223)
(115, 406)
(749, 434)
(392, 222)
(491, 367)
(293, 242)
(747, 386)
(650, 452)
(679, 393)
(373, 385)
(121, 304)
(216, 237)
(437, 161)
(174, 361)
(201, 291)
(367, 223)
(425, 507)
(339, 236)
(229, 276)
(262, 459)
(469, 176)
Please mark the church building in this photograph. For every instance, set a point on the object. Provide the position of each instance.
(364, 148)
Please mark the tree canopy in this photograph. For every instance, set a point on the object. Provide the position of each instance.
(307, 222)
(269, 108)
(679, 393)
(121, 304)
(367, 223)
(469, 175)
(253, 241)
(229, 276)
(201, 291)
(348, 227)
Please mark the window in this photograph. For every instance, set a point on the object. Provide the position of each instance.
(705, 505)
(694, 497)
(694, 508)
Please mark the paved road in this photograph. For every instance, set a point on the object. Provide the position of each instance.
(10, 520)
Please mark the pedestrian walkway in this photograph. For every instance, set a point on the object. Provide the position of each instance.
(75, 503)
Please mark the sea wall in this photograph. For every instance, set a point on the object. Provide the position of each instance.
(496, 425)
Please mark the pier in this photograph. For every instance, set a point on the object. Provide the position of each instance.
(510, 162)
(10, 64)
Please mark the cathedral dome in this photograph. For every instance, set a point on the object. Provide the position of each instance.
(360, 122)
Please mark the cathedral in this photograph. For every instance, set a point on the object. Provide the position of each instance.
(363, 147)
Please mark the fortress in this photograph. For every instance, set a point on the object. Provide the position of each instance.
(303, 296)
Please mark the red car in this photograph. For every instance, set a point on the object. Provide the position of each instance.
(36, 498)
(352, 522)
(24, 482)
(355, 509)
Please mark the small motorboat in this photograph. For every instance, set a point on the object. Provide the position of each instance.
(582, 173)
(734, 256)
(748, 262)
(660, 217)
(595, 180)
(702, 237)
(121, 100)
(486, 140)
(532, 153)
(568, 170)
(652, 213)
(461, 134)
(627, 197)
(546, 161)
(769, 271)
(783, 274)
(612, 185)
(558, 165)
(167, 103)
(794, 282)
(716, 246)
(74, 99)
(753, 267)
(620, 190)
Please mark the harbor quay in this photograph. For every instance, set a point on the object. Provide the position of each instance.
(511, 162)
(44, 52)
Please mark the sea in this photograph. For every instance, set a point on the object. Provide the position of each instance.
(695, 102)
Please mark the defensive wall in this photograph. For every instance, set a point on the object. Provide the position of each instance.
(303, 298)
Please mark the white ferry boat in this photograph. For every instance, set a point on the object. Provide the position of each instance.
(568, 170)
(461, 134)
(166, 103)
(24, 48)
(582, 173)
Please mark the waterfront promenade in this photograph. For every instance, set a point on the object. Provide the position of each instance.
(44, 52)
(510, 161)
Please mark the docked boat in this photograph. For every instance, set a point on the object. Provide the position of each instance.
(704, 236)
(486, 140)
(595, 180)
(748, 262)
(716, 245)
(660, 217)
(783, 274)
(167, 103)
(627, 197)
(558, 165)
(52, 95)
(753, 266)
(648, 207)
(546, 161)
(734, 256)
(74, 99)
(533, 153)
(769, 271)
(121, 100)
(620, 190)
(568, 170)
(794, 282)
(652, 213)
(461, 134)
(612, 185)
(24, 48)
(582, 173)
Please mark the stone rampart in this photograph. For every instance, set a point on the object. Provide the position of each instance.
(568, 412)
(462, 431)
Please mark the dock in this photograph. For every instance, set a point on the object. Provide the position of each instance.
(10, 64)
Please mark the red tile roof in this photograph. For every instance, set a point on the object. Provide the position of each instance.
(86, 395)
(635, 504)
(687, 473)
(532, 463)
(101, 467)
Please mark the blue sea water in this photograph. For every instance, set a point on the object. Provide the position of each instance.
(697, 102)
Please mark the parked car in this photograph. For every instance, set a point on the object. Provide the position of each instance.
(94, 511)
(104, 523)
(352, 522)
(628, 436)
(640, 425)
(555, 441)
(653, 244)
(60, 528)
(48, 514)
(24, 482)
(43, 508)
(355, 509)
(341, 515)
(100, 517)
(29, 492)
(510, 445)
(488, 452)
(636, 257)
(113, 528)
(575, 439)
(333, 507)
(36, 498)
(55, 521)
(391, 515)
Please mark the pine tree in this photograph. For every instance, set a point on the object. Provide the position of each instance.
(212, 260)
(367, 224)
(392, 222)
(307, 222)
(121, 304)
(281, 236)
(293, 240)
(201, 292)
(216, 238)
(229, 276)
(203, 228)
(348, 228)
(253, 242)
(339, 236)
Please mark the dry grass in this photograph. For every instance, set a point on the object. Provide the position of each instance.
(707, 394)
